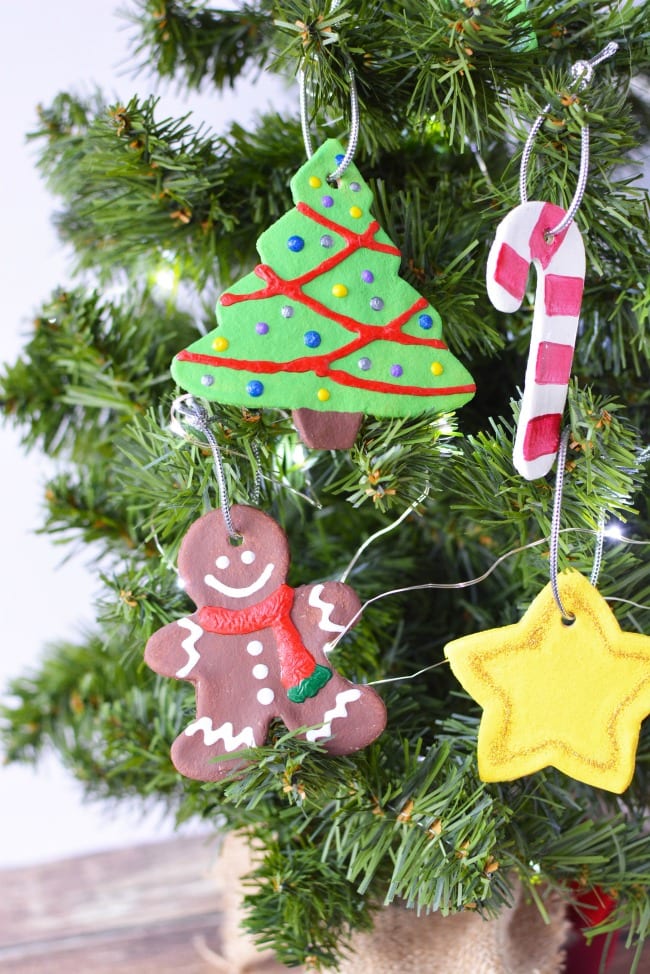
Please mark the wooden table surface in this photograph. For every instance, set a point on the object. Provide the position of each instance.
(153, 909)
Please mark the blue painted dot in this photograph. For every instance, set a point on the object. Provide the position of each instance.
(327, 201)
(311, 339)
(364, 364)
(339, 158)
(255, 388)
(295, 243)
(286, 311)
(396, 371)
(326, 240)
(367, 277)
(355, 187)
(425, 321)
(376, 304)
(262, 328)
(207, 380)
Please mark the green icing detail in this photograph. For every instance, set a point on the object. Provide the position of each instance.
(310, 686)
(291, 293)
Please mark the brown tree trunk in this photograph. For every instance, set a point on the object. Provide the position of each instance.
(327, 431)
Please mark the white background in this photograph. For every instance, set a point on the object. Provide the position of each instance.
(71, 45)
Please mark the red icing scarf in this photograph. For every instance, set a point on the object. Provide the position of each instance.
(274, 612)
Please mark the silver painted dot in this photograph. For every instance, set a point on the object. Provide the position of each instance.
(223, 561)
(254, 647)
(207, 380)
(265, 696)
(248, 557)
(260, 671)
(287, 311)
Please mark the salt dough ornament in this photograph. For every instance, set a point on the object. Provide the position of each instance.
(324, 325)
(255, 649)
(521, 240)
(571, 696)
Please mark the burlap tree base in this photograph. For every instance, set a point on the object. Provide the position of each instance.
(517, 942)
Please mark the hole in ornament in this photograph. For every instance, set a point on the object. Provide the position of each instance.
(568, 620)
(236, 540)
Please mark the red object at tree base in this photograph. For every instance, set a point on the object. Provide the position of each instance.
(592, 906)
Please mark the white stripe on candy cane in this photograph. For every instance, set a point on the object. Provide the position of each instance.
(560, 266)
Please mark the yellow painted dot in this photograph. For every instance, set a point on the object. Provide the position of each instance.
(220, 344)
(437, 368)
(314, 182)
(323, 395)
(339, 290)
(356, 212)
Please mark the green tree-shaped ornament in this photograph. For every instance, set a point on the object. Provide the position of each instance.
(325, 325)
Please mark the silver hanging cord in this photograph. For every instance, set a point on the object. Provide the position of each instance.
(257, 490)
(555, 531)
(555, 524)
(598, 554)
(354, 124)
(582, 74)
(185, 409)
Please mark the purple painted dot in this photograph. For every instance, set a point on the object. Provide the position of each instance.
(326, 240)
(262, 328)
(207, 380)
(367, 277)
(376, 304)
(396, 371)
(425, 321)
(311, 339)
(327, 201)
(286, 311)
(355, 187)
(255, 388)
(295, 243)
(364, 364)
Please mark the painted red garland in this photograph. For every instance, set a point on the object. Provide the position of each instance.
(321, 364)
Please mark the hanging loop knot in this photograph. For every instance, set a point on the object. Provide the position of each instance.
(354, 124)
(582, 74)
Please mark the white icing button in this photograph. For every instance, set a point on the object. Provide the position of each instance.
(254, 647)
(260, 671)
(248, 557)
(265, 695)
(222, 561)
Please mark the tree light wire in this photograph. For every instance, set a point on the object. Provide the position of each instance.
(582, 73)
(354, 124)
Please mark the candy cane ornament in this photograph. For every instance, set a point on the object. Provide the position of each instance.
(522, 239)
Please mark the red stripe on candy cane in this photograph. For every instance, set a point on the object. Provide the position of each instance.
(511, 271)
(553, 363)
(563, 295)
(542, 436)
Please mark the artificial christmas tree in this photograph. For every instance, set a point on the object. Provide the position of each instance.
(447, 94)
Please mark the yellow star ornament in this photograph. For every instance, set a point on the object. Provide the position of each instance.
(568, 695)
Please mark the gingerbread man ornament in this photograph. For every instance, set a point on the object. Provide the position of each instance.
(255, 649)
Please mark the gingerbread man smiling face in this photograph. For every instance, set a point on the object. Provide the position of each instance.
(217, 571)
(255, 649)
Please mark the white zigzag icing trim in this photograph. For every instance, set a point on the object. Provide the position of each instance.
(224, 733)
(326, 608)
(189, 645)
(338, 710)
